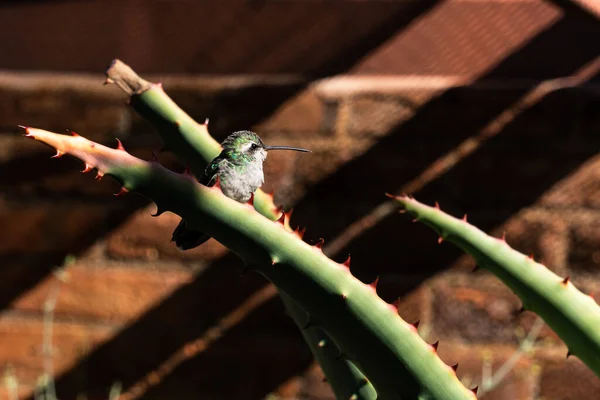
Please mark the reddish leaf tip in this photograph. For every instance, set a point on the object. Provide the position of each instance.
(437, 205)
(347, 262)
(436, 345)
(288, 214)
(319, 244)
(122, 192)
(474, 390)
(503, 238)
(251, 200)
(373, 284)
(440, 240)
(120, 145)
(73, 133)
(58, 154)
(455, 367)
(281, 219)
(391, 196)
(206, 122)
(27, 131)
(416, 324)
(464, 218)
(99, 175)
(87, 168)
(300, 232)
(566, 280)
(531, 257)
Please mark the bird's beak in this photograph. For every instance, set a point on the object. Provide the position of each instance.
(287, 148)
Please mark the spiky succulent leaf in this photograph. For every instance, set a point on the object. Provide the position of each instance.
(181, 134)
(193, 144)
(573, 315)
(346, 380)
(369, 331)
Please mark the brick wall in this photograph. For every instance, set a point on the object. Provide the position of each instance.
(456, 114)
(184, 324)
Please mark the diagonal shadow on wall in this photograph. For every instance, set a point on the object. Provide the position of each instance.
(20, 273)
(435, 129)
(234, 110)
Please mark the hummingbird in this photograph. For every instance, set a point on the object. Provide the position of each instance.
(239, 168)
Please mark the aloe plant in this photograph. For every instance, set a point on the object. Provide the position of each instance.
(573, 315)
(365, 348)
(367, 330)
(195, 147)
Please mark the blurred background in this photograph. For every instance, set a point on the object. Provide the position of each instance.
(488, 106)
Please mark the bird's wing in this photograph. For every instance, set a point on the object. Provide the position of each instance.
(211, 171)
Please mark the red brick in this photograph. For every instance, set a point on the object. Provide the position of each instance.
(25, 226)
(567, 380)
(149, 238)
(460, 38)
(52, 226)
(375, 116)
(111, 293)
(584, 245)
(313, 386)
(22, 340)
(55, 103)
(541, 234)
(414, 304)
(579, 189)
(304, 114)
(518, 385)
(258, 362)
(479, 308)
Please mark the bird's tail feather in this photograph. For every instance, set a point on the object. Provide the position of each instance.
(186, 238)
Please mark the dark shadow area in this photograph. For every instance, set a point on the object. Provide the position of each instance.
(199, 37)
(525, 155)
(185, 316)
(22, 270)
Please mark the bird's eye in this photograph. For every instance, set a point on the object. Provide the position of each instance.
(254, 146)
